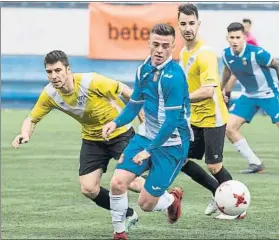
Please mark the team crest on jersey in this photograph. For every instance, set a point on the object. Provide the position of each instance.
(81, 100)
(190, 61)
(244, 61)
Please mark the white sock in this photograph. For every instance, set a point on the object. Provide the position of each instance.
(118, 209)
(244, 149)
(164, 202)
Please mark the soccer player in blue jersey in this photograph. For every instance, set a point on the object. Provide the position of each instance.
(251, 65)
(162, 142)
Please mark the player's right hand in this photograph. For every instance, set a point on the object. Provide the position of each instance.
(108, 129)
(20, 139)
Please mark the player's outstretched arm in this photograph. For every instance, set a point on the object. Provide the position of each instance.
(126, 92)
(27, 130)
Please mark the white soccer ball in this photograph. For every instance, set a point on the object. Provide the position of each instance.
(232, 197)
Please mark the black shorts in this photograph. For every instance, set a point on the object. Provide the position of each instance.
(208, 142)
(96, 154)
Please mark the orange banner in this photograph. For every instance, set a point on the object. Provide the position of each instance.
(121, 32)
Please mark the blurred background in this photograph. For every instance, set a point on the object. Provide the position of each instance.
(109, 38)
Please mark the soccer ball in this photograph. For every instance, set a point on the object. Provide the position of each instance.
(232, 198)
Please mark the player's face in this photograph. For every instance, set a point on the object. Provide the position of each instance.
(57, 74)
(189, 26)
(161, 48)
(236, 40)
(247, 27)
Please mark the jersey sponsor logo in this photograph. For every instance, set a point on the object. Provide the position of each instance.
(231, 61)
(232, 107)
(168, 76)
(260, 51)
(210, 80)
(156, 188)
(144, 75)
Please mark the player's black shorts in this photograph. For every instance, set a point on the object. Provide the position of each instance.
(96, 154)
(208, 142)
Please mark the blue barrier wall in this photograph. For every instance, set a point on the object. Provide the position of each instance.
(23, 77)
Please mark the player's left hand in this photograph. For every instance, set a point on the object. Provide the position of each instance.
(140, 157)
(108, 129)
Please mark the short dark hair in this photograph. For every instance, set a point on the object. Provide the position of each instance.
(235, 26)
(247, 20)
(188, 9)
(56, 56)
(163, 29)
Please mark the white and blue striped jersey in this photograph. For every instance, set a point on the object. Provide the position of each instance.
(163, 95)
(251, 69)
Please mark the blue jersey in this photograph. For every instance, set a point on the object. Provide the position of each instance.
(251, 69)
(163, 93)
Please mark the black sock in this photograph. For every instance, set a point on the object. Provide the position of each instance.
(102, 200)
(199, 175)
(223, 175)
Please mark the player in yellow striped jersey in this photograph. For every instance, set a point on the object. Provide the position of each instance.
(93, 100)
(209, 113)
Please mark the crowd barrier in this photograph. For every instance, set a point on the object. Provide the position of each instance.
(23, 77)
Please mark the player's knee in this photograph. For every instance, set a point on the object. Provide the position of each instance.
(230, 129)
(145, 205)
(90, 190)
(137, 184)
(118, 185)
(214, 168)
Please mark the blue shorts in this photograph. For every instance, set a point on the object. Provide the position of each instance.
(164, 164)
(246, 108)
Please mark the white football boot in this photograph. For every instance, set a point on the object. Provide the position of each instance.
(131, 221)
(211, 208)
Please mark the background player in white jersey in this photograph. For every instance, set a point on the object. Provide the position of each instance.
(163, 139)
(93, 100)
(251, 65)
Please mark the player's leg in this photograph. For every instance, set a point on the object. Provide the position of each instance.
(241, 112)
(94, 160)
(117, 147)
(214, 144)
(196, 172)
(166, 162)
(192, 169)
(126, 171)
